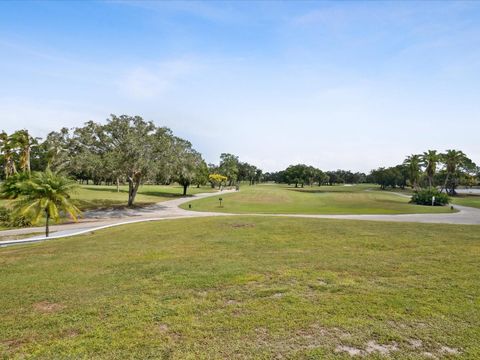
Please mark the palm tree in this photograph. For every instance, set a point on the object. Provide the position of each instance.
(46, 194)
(413, 163)
(453, 160)
(430, 160)
(7, 147)
(23, 141)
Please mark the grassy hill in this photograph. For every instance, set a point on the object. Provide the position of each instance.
(282, 199)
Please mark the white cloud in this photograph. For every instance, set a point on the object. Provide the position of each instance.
(147, 82)
(42, 117)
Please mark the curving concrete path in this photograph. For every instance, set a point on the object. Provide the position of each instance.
(96, 220)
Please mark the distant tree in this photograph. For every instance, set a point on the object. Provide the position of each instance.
(7, 148)
(201, 174)
(139, 146)
(430, 160)
(58, 148)
(299, 174)
(188, 162)
(393, 177)
(413, 164)
(258, 175)
(24, 142)
(217, 180)
(456, 165)
(321, 178)
(229, 167)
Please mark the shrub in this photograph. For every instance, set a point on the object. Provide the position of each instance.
(8, 219)
(424, 197)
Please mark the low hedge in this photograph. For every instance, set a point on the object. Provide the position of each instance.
(424, 197)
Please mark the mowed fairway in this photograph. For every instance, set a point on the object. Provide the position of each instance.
(467, 200)
(282, 199)
(245, 287)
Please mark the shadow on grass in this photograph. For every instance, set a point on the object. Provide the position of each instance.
(164, 194)
(322, 191)
(103, 204)
(140, 192)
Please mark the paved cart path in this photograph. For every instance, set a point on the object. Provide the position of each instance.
(96, 220)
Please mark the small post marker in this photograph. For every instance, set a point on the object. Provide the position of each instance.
(189, 206)
(220, 199)
(433, 200)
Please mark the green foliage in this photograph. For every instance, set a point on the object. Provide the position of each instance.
(43, 195)
(217, 179)
(393, 177)
(413, 164)
(11, 186)
(430, 160)
(424, 197)
(11, 220)
(229, 167)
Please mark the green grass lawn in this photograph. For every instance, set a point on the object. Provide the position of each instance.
(102, 196)
(461, 199)
(244, 287)
(281, 199)
(19, 236)
(467, 200)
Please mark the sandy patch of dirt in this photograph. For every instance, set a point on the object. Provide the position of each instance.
(12, 344)
(242, 225)
(352, 351)
(163, 328)
(47, 307)
(415, 343)
(373, 346)
(446, 350)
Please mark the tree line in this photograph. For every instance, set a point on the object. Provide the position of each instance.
(126, 149)
(301, 175)
(233, 171)
(431, 169)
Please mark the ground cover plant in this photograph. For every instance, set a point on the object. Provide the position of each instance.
(245, 287)
(283, 199)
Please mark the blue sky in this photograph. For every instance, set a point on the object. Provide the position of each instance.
(352, 85)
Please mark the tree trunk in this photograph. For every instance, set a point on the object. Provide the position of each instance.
(28, 161)
(185, 186)
(445, 184)
(47, 230)
(118, 184)
(133, 185)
